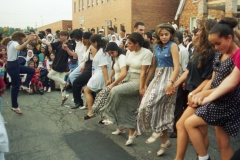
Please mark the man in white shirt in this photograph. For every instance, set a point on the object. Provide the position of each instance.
(79, 49)
(174, 26)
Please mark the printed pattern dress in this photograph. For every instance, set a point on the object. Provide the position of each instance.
(156, 111)
(224, 111)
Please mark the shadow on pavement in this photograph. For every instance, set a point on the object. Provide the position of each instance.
(93, 145)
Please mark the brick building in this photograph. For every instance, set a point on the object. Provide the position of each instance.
(191, 10)
(119, 14)
(59, 25)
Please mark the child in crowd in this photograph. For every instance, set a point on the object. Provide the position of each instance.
(35, 60)
(49, 83)
(41, 56)
(29, 56)
(35, 77)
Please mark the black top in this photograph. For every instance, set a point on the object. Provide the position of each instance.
(60, 62)
(197, 75)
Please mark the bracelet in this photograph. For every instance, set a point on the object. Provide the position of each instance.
(171, 81)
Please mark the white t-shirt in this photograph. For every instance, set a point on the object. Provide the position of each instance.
(86, 53)
(135, 60)
(175, 26)
(48, 64)
(12, 52)
(119, 63)
(183, 58)
(80, 49)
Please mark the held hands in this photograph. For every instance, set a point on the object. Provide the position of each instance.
(170, 90)
(82, 69)
(141, 91)
(107, 82)
(184, 85)
(197, 99)
(31, 37)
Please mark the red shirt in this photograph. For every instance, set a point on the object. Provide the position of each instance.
(236, 58)
(2, 85)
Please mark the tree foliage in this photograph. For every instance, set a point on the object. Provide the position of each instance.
(9, 30)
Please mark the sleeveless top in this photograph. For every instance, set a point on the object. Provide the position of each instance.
(163, 55)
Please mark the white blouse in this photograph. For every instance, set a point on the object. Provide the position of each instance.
(119, 63)
(135, 60)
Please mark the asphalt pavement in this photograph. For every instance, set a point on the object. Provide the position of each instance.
(49, 131)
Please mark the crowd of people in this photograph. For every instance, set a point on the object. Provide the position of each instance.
(160, 81)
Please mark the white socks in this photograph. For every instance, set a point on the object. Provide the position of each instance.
(203, 158)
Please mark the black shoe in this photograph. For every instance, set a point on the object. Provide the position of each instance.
(173, 135)
(76, 106)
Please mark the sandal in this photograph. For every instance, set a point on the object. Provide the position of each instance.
(65, 87)
(88, 117)
(64, 100)
(153, 137)
(101, 121)
(17, 110)
(163, 147)
(107, 122)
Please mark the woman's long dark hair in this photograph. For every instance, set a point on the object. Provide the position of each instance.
(204, 47)
(112, 46)
(101, 42)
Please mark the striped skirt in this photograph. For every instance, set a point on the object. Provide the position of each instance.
(156, 111)
(122, 102)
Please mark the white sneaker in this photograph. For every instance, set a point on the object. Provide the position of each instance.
(24, 87)
(83, 107)
(118, 131)
(49, 90)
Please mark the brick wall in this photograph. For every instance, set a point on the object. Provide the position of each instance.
(59, 25)
(196, 9)
(126, 12)
(118, 11)
(190, 9)
(154, 12)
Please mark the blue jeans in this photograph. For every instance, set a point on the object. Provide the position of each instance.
(74, 74)
(14, 70)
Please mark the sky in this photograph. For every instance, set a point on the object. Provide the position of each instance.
(33, 13)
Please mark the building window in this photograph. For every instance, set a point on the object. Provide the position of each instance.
(92, 3)
(108, 0)
(82, 4)
(97, 2)
(115, 28)
(122, 26)
(74, 7)
(102, 1)
(79, 5)
(88, 3)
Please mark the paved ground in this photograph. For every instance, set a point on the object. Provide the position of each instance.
(48, 131)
